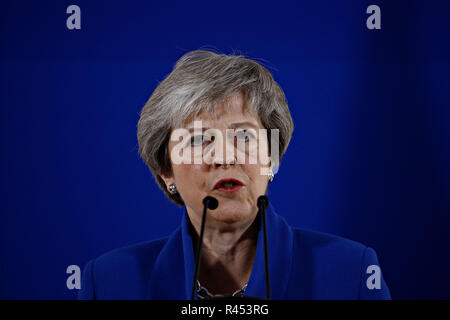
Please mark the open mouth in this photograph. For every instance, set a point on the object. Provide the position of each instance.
(228, 185)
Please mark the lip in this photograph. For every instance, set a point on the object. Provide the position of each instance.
(235, 188)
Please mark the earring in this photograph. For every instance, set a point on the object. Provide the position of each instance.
(172, 189)
(271, 176)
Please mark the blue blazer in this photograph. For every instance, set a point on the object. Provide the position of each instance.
(303, 265)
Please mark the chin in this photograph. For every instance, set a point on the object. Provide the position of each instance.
(232, 213)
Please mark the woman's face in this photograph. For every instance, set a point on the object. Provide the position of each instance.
(236, 182)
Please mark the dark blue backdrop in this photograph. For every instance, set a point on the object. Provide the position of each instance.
(369, 158)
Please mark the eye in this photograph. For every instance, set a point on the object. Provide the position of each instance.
(196, 140)
(200, 140)
(244, 135)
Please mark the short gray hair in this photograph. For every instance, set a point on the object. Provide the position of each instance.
(202, 79)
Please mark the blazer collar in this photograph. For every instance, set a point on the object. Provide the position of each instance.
(173, 273)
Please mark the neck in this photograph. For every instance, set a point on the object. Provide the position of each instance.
(227, 258)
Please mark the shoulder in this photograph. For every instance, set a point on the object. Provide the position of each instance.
(142, 253)
(337, 267)
(328, 253)
(121, 273)
(315, 240)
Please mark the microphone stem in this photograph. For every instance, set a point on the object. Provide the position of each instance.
(199, 252)
(266, 255)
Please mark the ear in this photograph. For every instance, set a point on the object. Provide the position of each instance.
(274, 167)
(167, 180)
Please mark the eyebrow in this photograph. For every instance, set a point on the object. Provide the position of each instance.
(232, 126)
(192, 129)
(244, 124)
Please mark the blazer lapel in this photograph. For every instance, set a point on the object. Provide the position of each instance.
(173, 273)
(280, 245)
(172, 269)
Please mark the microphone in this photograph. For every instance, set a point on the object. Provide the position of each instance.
(263, 203)
(208, 203)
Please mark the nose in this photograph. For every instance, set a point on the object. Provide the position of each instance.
(226, 157)
(217, 162)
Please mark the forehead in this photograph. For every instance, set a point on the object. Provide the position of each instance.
(234, 109)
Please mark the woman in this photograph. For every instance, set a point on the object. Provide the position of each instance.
(218, 126)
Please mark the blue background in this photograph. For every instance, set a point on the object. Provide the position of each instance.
(369, 158)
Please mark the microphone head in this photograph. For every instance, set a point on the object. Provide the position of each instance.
(263, 201)
(210, 202)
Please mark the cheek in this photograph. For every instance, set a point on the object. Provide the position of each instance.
(263, 154)
(259, 181)
(188, 177)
